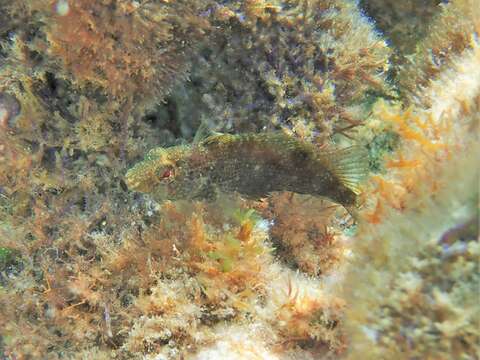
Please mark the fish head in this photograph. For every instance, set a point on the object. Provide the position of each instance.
(156, 172)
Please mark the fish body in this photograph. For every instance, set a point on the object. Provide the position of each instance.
(253, 165)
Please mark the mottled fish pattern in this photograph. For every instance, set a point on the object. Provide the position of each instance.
(253, 165)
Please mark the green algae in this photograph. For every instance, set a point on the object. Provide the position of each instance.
(382, 144)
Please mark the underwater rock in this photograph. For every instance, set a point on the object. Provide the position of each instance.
(9, 110)
(307, 67)
(102, 272)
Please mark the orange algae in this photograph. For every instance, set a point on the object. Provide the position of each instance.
(421, 295)
(303, 232)
(100, 42)
(412, 164)
(402, 163)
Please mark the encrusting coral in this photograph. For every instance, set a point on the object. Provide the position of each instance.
(90, 269)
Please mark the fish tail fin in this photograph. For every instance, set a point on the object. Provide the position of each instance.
(349, 165)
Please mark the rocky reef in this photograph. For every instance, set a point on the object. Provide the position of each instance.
(90, 269)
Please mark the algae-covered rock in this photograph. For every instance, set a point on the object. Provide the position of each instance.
(91, 269)
(308, 67)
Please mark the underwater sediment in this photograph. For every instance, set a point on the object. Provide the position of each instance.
(91, 268)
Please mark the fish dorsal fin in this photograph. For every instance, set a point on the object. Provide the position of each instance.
(349, 165)
(217, 139)
(203, 133)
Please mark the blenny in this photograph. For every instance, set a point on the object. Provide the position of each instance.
(254, 165)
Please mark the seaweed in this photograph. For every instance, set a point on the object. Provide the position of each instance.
(91, 269)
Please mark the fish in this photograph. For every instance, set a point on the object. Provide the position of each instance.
(253, 165)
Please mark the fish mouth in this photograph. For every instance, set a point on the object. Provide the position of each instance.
(146, 183)
(136, 180)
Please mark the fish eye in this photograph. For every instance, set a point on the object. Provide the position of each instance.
(166, 173)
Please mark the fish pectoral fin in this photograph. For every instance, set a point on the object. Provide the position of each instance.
(349, 165)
